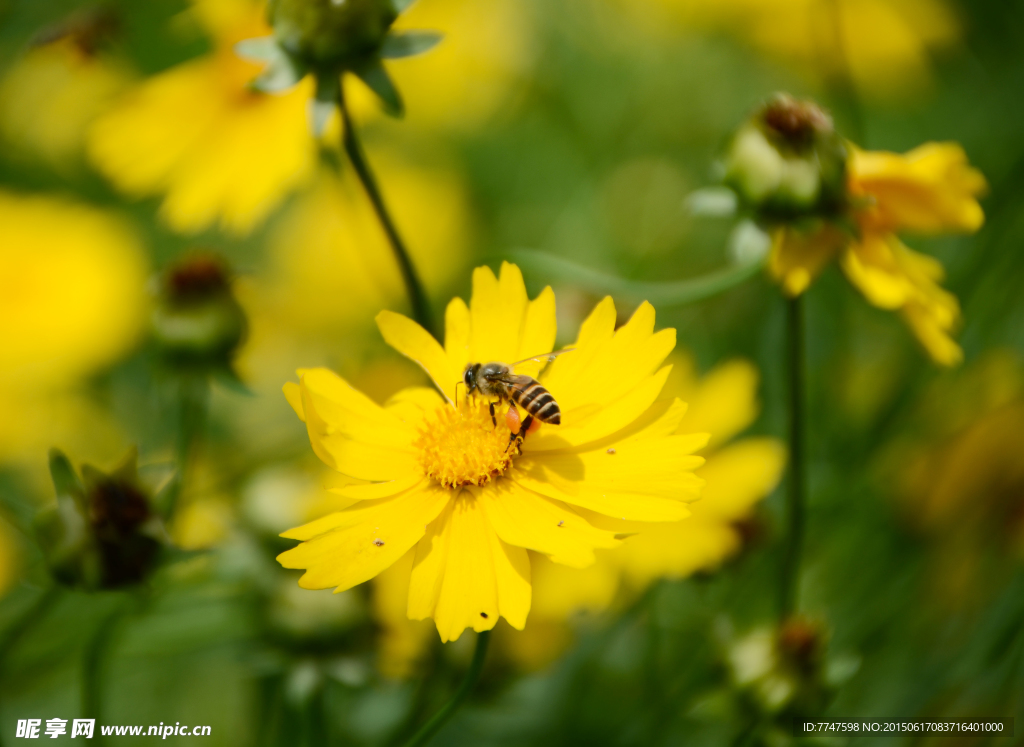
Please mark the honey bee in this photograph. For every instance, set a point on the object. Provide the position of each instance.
(498, 380)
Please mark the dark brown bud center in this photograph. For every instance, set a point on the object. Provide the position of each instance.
(796, 122)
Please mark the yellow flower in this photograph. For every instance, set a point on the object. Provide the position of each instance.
(50, 97)
(964, 485)
(72, 299)
(932, 189)
(441, 479)
(737, 475)
(884, 45)
(220, 151)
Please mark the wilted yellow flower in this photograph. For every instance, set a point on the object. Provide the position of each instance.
(72, 298)
(884, 45)
(49, 98)
(932, 189)
(737, 475)
(220, 151)
(445, 481)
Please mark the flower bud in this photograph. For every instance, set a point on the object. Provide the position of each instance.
(102, 532)
(787, 160)
(328, 33)
(197, 319)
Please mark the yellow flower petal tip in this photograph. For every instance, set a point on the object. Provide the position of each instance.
(458, 484)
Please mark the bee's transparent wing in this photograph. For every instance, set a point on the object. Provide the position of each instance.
(545, 357)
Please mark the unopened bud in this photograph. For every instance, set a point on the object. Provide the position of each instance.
(329, 33)
(197, 318)
(788, 160)
(101, 533)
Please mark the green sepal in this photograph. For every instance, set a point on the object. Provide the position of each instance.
(258, 49)
(65, 479)
(376, 77)
(398, 44)
(282, 70)
(323, 104)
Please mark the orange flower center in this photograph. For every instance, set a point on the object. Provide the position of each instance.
(463, 446)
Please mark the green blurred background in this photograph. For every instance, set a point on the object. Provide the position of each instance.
(575, 128)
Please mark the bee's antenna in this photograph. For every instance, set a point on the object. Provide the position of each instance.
(457, 393)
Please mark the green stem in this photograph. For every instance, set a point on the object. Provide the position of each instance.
(193, 393)
(354, 150)
(94, 660)
(796, 488)
(438, 720)
(31, 617)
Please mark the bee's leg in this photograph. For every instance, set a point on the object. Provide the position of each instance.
(520, 436)
(491, 408)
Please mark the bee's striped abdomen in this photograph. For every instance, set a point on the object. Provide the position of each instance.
(537, 401)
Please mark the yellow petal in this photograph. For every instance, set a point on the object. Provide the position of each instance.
(496, 310)
(457, 328)
(353, 546)
(464, 576)
(364, 460)
(525, 519)
(739, 475)
(604, 365)
(559, 591)
(584, 425)
(933, 335)
(349, 412)
(723, 403)
(293, 394)
(870, 265)
(798, 256)
(538, 332)
(413, 404)
(675, 550)
(415, 343)
(931, 189)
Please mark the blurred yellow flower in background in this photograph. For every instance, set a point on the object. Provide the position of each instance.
(72, 299)
(473, 72)
(962, 483)
(221, 152)
(330, 268)
(50, 97)
(737, 475)
(930, 190)
(441, 481)
(885, 46)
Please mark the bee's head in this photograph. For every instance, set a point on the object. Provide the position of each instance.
(469, 377)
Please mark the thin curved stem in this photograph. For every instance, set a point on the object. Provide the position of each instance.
(354, 150)
(660, 293)
(796, 488)
(438, 720)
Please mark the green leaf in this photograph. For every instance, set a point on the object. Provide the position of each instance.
(376, 77)
(400, 44)
(401, 6)
(670, 293)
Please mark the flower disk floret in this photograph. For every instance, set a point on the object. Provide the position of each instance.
(440, 481)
